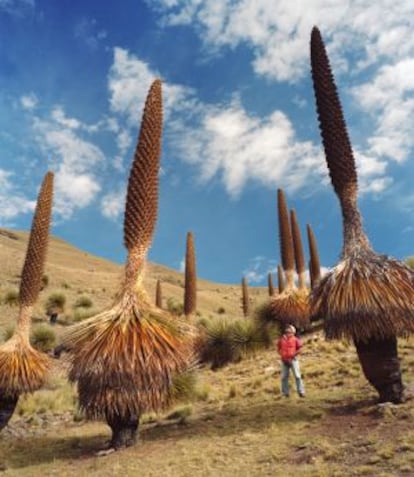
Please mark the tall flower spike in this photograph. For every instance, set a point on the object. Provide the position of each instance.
(158, 295)
(285, 238)
(314, 264)
(37, 247)
(190, 287)
(245, 297)
(142, 195)
(270, 286)
(298, 249)
(280, 279)
(338, 150)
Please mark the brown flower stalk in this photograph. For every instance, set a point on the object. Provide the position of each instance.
(124, 358)
(291, 305)
(190, 287)
(22, 368)
(158, 295)
(298, 249)
(280, 279)
(366, 297)
(245, 297)
(314, 264)
(270, 286)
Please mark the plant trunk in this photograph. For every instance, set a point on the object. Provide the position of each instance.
(124, 430)
(381, 367)
(7, 407)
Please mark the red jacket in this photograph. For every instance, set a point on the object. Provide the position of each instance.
(288, 347)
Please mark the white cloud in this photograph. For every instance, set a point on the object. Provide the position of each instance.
(239, 147)
(181, 266)
(113, 204)
(389, 99)
(258, 269)
(29, 101)
(278, 32)
(73, 159)
(59, 116)
(12, 202)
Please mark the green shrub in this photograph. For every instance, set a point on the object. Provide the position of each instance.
(217, 344)
(81, 314)
(224, 341)
(55, 303)
(184, 386)
(8, 332)
(83, 302)
(11, 297)
(45, 281)
(43, 338)
(174, 307)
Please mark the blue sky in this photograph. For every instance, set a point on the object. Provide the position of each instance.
(240, 122)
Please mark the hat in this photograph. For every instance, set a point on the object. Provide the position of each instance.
(291, 328)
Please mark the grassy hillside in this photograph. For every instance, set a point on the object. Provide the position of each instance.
(237, 424)
(74, 273)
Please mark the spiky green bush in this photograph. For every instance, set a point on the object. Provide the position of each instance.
(11, 297)
(224, 341)
(83, 302)
(43, 338)
(8, 332)
(174, 307)
(184, 386)
(55, 303)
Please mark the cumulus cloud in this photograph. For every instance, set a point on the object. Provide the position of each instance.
(240, 147)
(278, 32)
(389, 99)
(29, 101)
(112, 204)
(73, 158)
(12, 201)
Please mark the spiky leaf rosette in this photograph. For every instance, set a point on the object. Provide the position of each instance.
(32, 272)
(298, 249)
(291, 307)
(314, 263)
(142, 196)
(280, 279)
(285, 239)
(245, 297)
(190, 286)
(124, 359)
(22, 368)
(158, 295)
(366, 296)
(270, 286)
(338, 150)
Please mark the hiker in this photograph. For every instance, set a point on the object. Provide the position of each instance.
(289, 346)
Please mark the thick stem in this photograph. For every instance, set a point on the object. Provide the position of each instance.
(381, 367)
(124, 430)
(8, 404)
